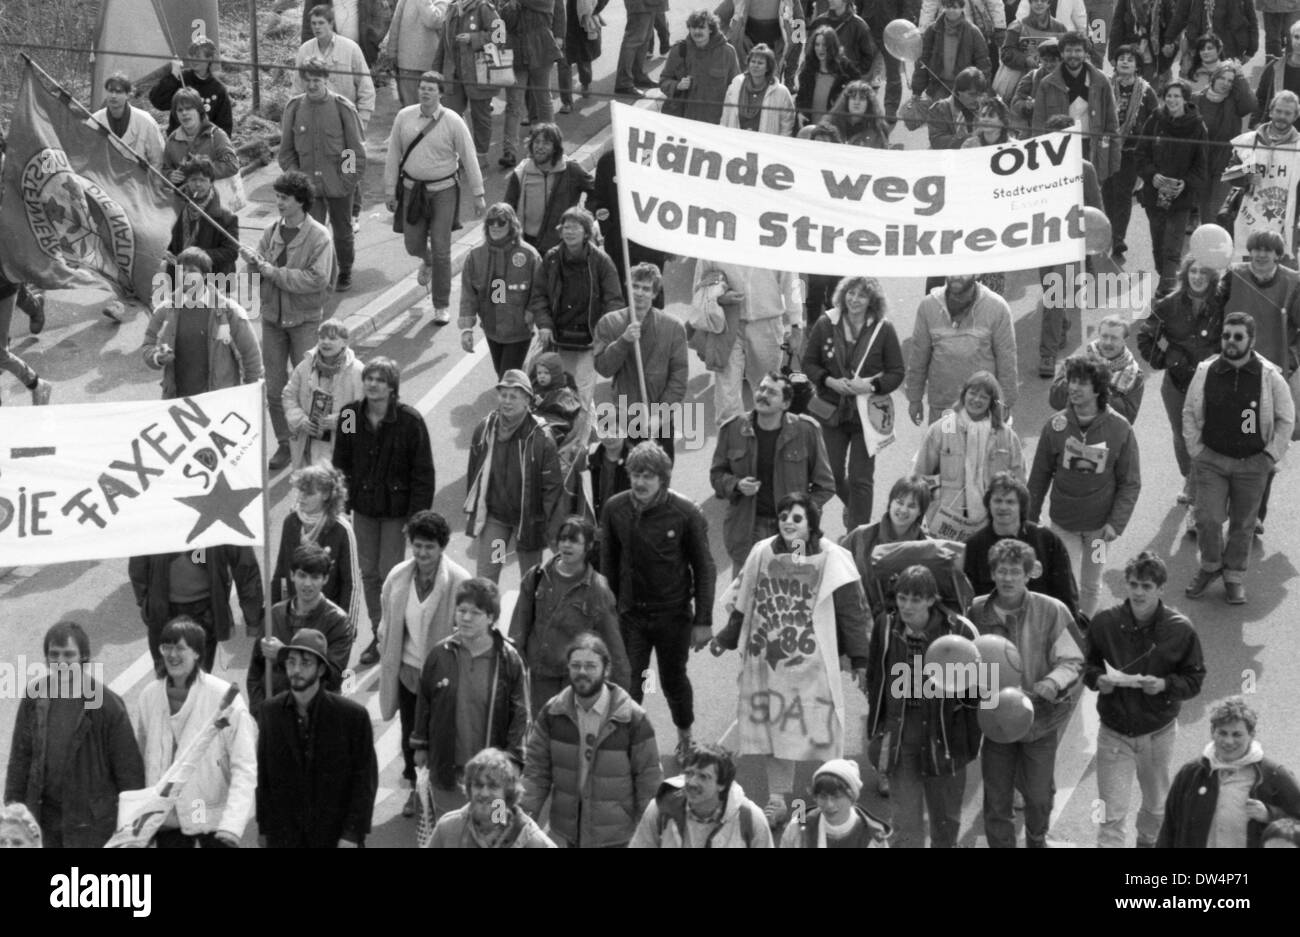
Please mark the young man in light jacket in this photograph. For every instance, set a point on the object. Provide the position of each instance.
(295, 259)
(233, 354)
(706, 808)
(217, 801)
(134, 131)
(1237, 421)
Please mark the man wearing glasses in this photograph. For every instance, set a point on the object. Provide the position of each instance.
(1237, 422)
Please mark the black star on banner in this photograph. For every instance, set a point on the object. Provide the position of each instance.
(223, 504)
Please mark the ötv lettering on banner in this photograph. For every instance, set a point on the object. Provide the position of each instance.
(90, 481)
(766, 201)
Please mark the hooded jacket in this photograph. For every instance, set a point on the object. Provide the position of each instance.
(305, 381)
(546, 619)
(434, 728)
(621, 780)
(1086, 495)
(661, 824)
(565, 183)
(871, 831)
(102, 761)
(606, 295)
(1194, 797)
(1173, 147)
(1040, 630)
(1166, 646)
(945, 353)
(951, 725)
(506, 318)
(234, 354)
(799, 464)
(711, 70)
(539, 472)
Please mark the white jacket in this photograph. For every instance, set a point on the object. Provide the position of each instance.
(1277, 413)
(778, 115)
(729, 835)
(297, 396)
(220, 795)
(143, 136)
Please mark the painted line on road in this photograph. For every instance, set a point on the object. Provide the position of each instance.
(127, 679)
(452, 379)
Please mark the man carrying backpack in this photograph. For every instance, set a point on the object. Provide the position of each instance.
(705, 808)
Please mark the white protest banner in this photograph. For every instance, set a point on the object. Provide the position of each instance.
(88, 481)
(735, 196)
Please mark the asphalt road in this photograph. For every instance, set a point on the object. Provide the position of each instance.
(1248, 648)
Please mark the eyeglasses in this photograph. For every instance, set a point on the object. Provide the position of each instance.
(497, 222)
(1236, 336)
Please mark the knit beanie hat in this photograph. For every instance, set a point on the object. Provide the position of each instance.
(846, 771)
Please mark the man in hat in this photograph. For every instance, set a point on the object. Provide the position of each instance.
(514, 480)
(316, 767)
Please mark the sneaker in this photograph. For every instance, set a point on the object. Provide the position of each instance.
(356, 224)
(628, 93)
(646, 82)
(1259, 528)
(425, 274)
(41, 393)
(412, 805)
(370, 656)
(1234, 593)
(1047, 366)
(566, 108)
(441, 315)
(508, 161)
(1190, 529)
(281, 457)
(344, 283)
(1201, 582)
(882, 784)
(34, 305)
(586, 90)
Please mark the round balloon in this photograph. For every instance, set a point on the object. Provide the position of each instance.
(903, 40)
(1096, 228)
(1010, 719)
(1211, 246)
(951, 664)
(1000, 663)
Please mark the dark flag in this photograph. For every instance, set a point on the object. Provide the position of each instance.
(78, 211)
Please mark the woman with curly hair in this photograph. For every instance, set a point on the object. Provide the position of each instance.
(756, 99)
(858, 118)
(492, 818)
(823, 76)
(317, 517)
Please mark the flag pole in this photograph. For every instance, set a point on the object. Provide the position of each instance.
(631, 312)
(140, 160)
(269, 570)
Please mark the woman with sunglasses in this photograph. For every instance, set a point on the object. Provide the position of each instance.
(506, 314)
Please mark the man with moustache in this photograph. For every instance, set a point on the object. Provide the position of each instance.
(593, 752)
(316, 768)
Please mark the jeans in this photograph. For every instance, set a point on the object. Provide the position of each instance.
(479, 119)
(340, 220)
(535, 85)
(1018, 766)
(1117, 198)
(1088, 552)
(492, 545)
(913, 794)
(756, 351)
(764, 527)
(564, 78)
(1060, 291)
(1118, 757)
(1228, 489)
(282, 349)
(637, 35)
(9, 362)
(1173, 400)
(856, 485)
(430, 240)
(380, 547)
(661, 30)
(581, 363)
(1276, 28)
(507, 355)
(668, 634)
(1168, 230)
(406, 701)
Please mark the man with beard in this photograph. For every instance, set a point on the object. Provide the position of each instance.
(593, 752)
(1237, 421)
(316, 769)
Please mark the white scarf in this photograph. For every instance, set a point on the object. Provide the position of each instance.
(823, 825)
(978, 433)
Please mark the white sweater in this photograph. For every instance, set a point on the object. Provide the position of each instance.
(220, 794)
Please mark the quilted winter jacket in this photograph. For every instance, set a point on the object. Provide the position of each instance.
(621, 780)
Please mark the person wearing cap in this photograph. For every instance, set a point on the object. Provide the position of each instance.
(514, 482)
(922, 744)
(493, 818)
(662, 340)
(387, 460)
(838, 821)
(308, 608)
(473, 695)
(322, 134)
(317, 773)
(500, 289)
(654, 550)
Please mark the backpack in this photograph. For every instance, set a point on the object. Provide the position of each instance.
(671, 802)
(945, 558)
